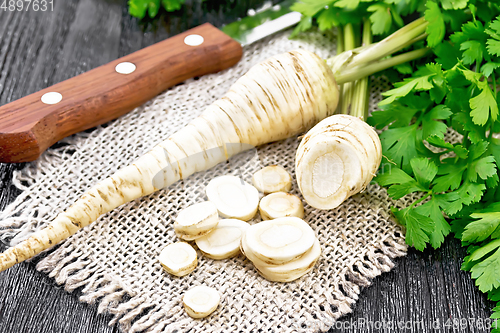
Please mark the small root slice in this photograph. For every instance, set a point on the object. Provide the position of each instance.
(233, 197)
(196, 221)
(278, 241)
(272, 178)
(224, 241)
(201, 301)
(291, 270)
(179, 258)
(280, 204)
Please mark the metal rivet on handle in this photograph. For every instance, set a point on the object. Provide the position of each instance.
(51, 98)
(193, 40)
(125, 68)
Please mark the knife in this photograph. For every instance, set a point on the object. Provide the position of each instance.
(28, 126)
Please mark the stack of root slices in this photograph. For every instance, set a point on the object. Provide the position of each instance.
(283, 249)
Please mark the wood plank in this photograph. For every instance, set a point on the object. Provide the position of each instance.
(425, 288)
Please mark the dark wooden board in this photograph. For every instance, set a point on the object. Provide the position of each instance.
(41, 49)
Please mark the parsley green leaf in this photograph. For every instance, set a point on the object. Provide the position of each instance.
(458, 149)
(310, 7)
(494, 295)
(484, 168)
(450, 176)
(154, 8)
(349, 4)
(418, 83)
(494, 42)
(482, 251)
(424, 170)
(431, 126)
(401, 183)
(400, 145)
(454, 4)
(473, 51)
(381, 18)
(466, 194)
(489, 67)
(304, 25)
(436, 28)
(481, 229)
(392, 175)
(442, 228)
(483, 105)
(418, 227)
(172, 5)
(487, 272)
(139, 8)
(326, 20)
(447, 54)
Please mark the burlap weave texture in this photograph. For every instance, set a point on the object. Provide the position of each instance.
(115, 259)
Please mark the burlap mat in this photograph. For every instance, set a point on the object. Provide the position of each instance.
(115, 259)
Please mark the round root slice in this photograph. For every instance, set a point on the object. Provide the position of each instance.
(283, 278)
(291, 270)
(178, 259)
(233, 197)
(272, 179)
(201, 301)
(278, 241)
(224, 241)
(335, 160)
(196, 221)
(280, 204)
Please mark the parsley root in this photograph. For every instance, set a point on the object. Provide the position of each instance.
(278, 98)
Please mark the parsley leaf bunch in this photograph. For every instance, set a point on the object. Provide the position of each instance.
(385, 16)
(438, 123)
(439, 141)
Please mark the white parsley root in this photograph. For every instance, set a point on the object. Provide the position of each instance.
(224, 241)
(233, 197)
(272, 178)
(336, 159)
(280, 204)
(278, 98)
(201, 301)
(178, 259)
(278, 241)
(196, 221)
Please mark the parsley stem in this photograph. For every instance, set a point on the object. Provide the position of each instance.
(360, 98)
(348, 87)
(357, 73)
(421, 199)
(340, 49)
(493, 78)
(363, 57)
(391, 44)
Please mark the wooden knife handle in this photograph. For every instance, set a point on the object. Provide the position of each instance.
(29, 126)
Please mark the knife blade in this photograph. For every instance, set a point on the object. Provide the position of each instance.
(28, 126)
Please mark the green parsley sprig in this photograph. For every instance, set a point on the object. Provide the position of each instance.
(458, 178)
(439, 124)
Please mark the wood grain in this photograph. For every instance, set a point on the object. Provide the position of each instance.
(38, 50)
(28, 126)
